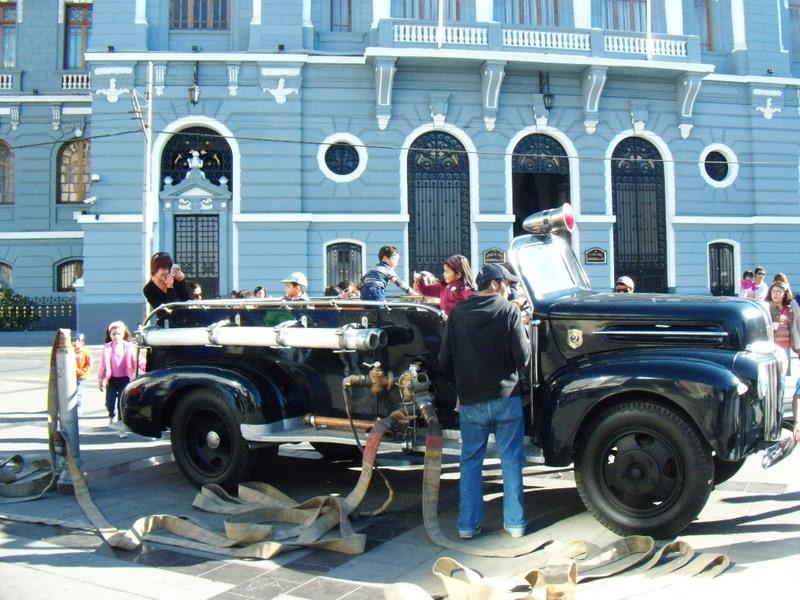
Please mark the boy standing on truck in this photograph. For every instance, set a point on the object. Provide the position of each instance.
(378, 277)
(486, 347)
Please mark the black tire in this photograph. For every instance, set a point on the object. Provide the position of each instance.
(724, 469)
(206, 440)
(643, 469)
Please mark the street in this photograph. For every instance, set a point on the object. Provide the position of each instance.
(753, 518)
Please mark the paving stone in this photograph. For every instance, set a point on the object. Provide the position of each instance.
(324, 589)
(233, 573)
(768, 488)
(266, 586)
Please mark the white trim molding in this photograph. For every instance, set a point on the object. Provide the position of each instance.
(669, 190)
(41, 235)
(779, 220)
(730, 157)
(474, 181)
(342, 138)
(325, 282)
(493, 218)
(737, 262)
(85, 218)
(320, 218)
(596, 219)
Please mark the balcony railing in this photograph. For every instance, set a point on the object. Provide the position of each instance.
(640, 44)
(422, 33)
(6, 81)
(553, 40)
(497, 36)
(75, 81)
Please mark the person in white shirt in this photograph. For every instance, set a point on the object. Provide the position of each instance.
(760, 287)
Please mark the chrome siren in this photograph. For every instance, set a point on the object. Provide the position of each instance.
(545, 221)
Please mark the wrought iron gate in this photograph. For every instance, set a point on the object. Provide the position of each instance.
(197, 250)
(438, 201)
(640, 232)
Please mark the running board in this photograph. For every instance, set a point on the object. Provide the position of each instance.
(293, 430)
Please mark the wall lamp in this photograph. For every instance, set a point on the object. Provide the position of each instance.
(544, 90)
(194, 89)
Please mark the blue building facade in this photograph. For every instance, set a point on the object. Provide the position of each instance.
(329, 128)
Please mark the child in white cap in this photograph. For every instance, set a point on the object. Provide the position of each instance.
(294, 286)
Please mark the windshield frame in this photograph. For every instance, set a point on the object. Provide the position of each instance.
(559, 259)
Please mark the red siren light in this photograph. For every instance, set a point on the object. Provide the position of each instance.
(545, 221)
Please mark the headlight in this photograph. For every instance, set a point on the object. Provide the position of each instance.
(763, 381)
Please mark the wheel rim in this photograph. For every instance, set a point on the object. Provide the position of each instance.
(641, 472)
(208, 443)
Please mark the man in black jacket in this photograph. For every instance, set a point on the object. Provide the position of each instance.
(485, 345)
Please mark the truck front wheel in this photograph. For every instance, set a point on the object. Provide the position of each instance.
(206, 440)
(643, 469)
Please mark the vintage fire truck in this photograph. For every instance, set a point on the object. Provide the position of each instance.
(654, 398)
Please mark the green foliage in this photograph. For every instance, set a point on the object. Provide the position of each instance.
(17, 312)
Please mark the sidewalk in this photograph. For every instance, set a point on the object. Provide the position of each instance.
(754, 518)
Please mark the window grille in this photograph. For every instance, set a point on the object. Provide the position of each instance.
(66, 274)
(343, 260)
(6, 280)
(721, 276)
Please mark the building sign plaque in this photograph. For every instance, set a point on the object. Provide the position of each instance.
(595, 256)
(494, 256)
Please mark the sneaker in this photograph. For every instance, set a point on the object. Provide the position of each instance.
(515, 532)
(110, 421)
(467, 534)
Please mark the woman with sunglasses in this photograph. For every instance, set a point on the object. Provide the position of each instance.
(167, 282)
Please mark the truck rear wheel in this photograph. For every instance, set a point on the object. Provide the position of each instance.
(206, 440)
(643, 469)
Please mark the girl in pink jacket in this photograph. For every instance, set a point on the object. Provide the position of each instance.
(117, 366)
(458, 284)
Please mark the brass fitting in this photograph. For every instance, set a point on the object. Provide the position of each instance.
(376, 380)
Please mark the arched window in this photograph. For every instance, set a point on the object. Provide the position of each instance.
(343, 261)
(6, 271)
(73, 172)
(6, 174)
(721, 269)
(214, 152)
(66, 274)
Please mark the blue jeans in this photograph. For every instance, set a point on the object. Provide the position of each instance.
(79, 390)
(503, 417)
(372, 292)
(114, 389)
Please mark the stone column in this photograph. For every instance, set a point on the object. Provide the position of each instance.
(381, 9)
(674, 11)
(582, 9)
(484, 11)
(738, 24)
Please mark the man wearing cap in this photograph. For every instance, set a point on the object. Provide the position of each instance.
(294, 286)
(485, 345)
(623, 285)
